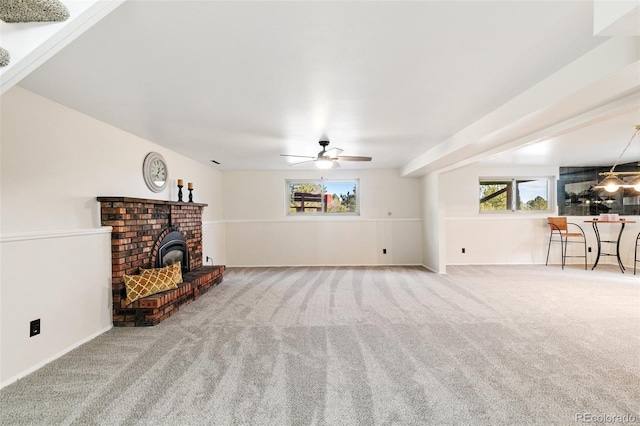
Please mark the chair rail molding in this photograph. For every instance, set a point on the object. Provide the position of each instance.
(54, 233)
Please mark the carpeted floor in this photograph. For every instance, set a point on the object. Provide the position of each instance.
(491, 345)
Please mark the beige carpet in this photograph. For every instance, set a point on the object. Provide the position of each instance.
(494, 345)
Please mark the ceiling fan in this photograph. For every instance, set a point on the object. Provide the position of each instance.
(327, 159)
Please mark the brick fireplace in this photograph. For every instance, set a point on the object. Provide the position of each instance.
(138, 227)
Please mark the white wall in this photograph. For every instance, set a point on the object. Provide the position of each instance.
(54, 163)
(72, 298)
(512, 238)
(490, 238)
(259, 233)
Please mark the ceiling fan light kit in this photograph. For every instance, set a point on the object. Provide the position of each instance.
(612, 181)
(324, 164)
(327, 159)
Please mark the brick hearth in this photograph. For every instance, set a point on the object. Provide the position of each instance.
(138, 224)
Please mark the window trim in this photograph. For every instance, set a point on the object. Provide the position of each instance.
(513, 208)
(321, 181)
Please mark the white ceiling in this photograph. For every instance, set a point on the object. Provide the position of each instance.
(242, 82)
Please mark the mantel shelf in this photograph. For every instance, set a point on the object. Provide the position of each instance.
(147, 201)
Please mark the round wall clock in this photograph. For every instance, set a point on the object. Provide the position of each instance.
(155, 172)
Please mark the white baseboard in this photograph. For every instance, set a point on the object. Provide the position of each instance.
(338, 265)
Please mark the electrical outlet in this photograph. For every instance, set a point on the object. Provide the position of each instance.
(34, 328)
(207, 259)
(589, 249)
(384, 251)
(464, 250)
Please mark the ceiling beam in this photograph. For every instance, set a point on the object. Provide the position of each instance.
(603, 75)
(616, 17)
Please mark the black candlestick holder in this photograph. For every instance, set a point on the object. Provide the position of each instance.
(190, 195)
(180, 193)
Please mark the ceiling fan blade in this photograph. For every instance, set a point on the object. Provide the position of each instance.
(298, 156)
(352, 158)
(301, 162)
(333, 152)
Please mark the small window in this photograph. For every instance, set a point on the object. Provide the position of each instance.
(322, 197)
(514, 194)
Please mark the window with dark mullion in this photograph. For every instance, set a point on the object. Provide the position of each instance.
(322, 196)
(514, 194)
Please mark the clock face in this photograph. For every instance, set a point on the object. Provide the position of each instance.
(155, 172)
(158, 172)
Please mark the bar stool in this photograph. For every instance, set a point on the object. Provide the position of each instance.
(560, 234)
(635, 256)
